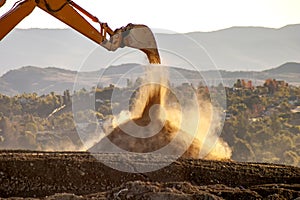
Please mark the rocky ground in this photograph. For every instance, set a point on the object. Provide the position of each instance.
(75, 175)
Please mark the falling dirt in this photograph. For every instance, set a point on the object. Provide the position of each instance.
(152, 125)
(149, 127)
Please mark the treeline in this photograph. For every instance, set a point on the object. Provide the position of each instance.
(33, 104)
(26, 122)
(262, 122)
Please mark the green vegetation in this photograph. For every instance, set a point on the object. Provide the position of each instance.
(27, 121)
(262, 122)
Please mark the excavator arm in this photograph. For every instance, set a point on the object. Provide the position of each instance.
(134, 36)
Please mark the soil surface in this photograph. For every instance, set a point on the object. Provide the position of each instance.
(79, 175)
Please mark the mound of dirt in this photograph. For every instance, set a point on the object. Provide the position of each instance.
(148, 132)
(177, 142)
(74, 175)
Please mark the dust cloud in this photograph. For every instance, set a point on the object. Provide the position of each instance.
(158, 122)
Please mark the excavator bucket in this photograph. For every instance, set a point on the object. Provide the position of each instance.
(142, 38)
(135, 36)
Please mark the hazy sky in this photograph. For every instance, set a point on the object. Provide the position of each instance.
(179, 16)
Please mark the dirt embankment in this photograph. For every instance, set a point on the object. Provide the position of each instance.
(71, 175)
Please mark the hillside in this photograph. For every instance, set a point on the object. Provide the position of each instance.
(39, 80)
(45, 80)
(251, 48)
(236, 48)
(287, 68)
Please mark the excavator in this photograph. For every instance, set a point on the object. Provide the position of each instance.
(136, 36)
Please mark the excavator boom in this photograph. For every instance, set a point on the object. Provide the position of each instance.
(134, 36)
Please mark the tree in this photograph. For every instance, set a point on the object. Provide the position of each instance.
(275, 123)
(238, 84)
(271, 85)
(67, 97)
(285, 107)
(280, 144)
(138, 82)
(129, 83)
(5, 125)
(242, 151)
(32, 127)
(290, 158)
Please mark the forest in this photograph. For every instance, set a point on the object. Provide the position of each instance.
(262, 123)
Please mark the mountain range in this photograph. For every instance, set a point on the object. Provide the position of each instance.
(233, 49)
(45, 80)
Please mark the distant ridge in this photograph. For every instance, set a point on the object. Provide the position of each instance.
(45, 80)
(290, 67)
(231, 49)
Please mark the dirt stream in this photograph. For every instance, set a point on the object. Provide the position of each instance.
(75, 175)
